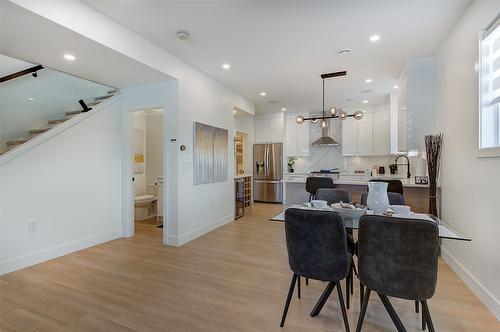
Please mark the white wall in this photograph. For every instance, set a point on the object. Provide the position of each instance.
(469, 185)
(154, 149)
(140, 139)
(199, 98)
(71, 185)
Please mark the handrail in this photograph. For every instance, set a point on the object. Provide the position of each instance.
(22, 73)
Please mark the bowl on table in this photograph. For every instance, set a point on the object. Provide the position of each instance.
(319, 204)
(401, 209)
(349, 210)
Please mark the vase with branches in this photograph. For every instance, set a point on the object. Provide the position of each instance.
(433, 145)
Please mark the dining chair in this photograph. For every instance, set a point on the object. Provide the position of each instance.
(335, 196)
(393, 186)
(394, 198)
(317, 249)
(398, 257)
(332, 195)
(313, 183)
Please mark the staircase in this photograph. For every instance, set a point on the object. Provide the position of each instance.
(9, 145)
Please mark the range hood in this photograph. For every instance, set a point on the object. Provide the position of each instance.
(325, 140)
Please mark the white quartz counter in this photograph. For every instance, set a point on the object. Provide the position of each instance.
(352, 179)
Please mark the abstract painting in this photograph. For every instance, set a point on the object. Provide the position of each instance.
(220, 154)
(210, 154)
(203, 153)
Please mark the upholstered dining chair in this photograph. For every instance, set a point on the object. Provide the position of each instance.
(317, 249)
(313, 183)
(398, 257)
(393, 186)
(394, 198)
(334, 196)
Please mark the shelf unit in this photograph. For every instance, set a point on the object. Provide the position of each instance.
(248, 191)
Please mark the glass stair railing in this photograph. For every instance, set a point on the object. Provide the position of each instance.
(35, 99)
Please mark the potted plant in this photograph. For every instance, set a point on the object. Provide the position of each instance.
(291, 164)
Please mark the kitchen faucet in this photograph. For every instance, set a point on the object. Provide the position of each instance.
(408, 174)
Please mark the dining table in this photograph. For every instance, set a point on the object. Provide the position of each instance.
(446, 230)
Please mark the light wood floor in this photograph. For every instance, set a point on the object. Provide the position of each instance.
(232, 279)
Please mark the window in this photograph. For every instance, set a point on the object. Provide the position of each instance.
(489, 80)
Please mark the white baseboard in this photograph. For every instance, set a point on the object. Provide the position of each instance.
(178, 241)
(477, 288)
(57, 251)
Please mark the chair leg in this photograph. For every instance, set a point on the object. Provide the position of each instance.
(352, 283)
(298, 287)
(427, 315)
(288, 299)
(347, 289)
(416, 307)
(354, 267)
(362, 314)
(307, 281)
(322, 300)
(392, 313)
(423, 321)
(361, 294)
(342, 306)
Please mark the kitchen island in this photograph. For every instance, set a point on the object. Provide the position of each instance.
(416, 195)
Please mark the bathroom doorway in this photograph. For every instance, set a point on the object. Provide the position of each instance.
(147, 168)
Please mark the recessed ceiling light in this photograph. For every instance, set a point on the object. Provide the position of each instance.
(345, 51)
(374, 38)
(226, 66)
(365, 101)
(283, 109)
(234, 112)
(69, 57)
(396, 86)
(368, 80)
(31, 98)
(262, 94)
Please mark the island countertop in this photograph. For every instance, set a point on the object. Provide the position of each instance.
(353, 179)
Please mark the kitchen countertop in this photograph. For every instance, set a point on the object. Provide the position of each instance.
(352, 179)
(241, 176)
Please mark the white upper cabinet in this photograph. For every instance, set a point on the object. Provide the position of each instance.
(297, 137)
(349, 137)
(370, 136)
(269, 127)
(416, 115)
(365, 137)
(381, 132)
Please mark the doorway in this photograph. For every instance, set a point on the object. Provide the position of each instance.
(146, 182)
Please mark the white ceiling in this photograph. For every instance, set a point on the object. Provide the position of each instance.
(30, 37)
(282, 47)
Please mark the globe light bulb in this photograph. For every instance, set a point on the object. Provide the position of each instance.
(333, 111)
(358, 115)
(299, 119)
(324, 124)
(342, 115)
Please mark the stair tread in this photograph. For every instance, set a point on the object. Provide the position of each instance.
(56, 121)
(100, 98)
(18, 141)
(38, 131)
(73, 112)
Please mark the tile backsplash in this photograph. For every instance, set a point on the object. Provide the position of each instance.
(331, 157)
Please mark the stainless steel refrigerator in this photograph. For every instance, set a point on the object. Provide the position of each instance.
(268, 172)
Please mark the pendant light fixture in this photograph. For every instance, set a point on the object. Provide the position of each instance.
(333, 113)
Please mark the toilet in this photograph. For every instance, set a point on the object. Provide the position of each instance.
(144, 207)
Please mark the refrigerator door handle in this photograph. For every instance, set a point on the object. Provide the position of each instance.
(266, 181)
(266, 160)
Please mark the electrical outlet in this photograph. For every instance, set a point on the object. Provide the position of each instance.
(32, 226)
